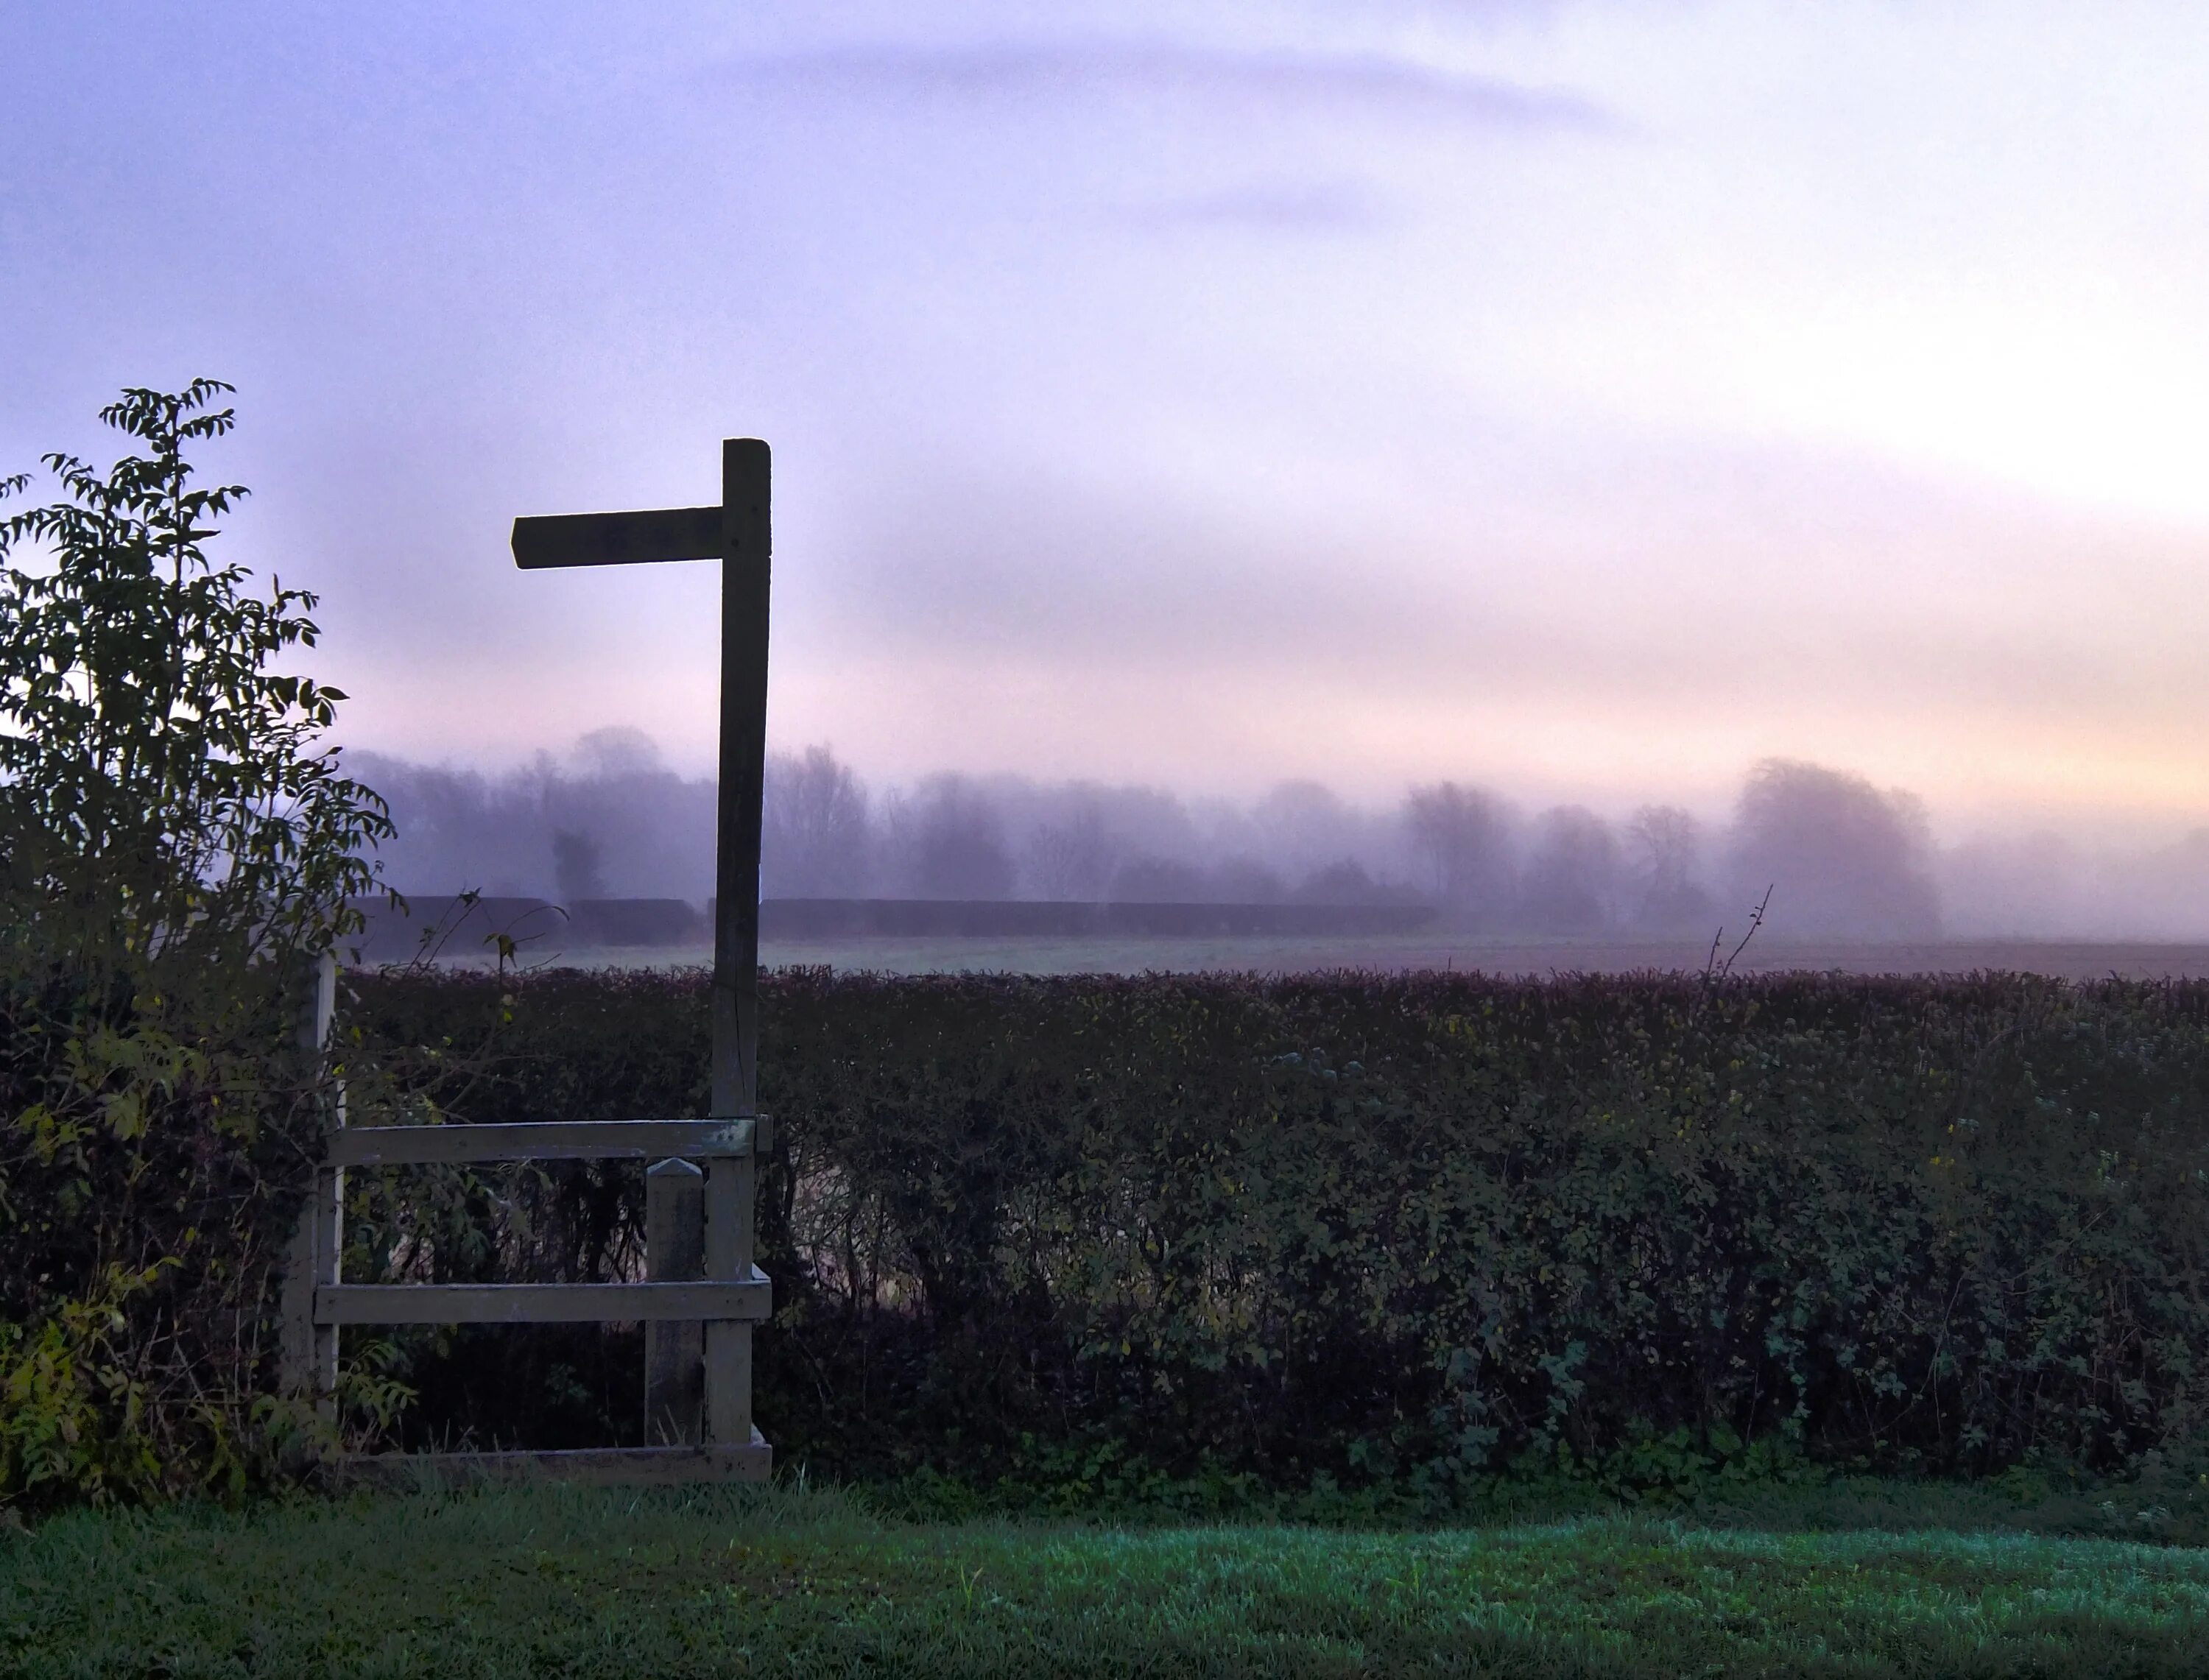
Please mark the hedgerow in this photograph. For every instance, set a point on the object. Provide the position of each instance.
(1351, 1227)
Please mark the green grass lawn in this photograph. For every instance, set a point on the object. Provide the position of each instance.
(786, 1582)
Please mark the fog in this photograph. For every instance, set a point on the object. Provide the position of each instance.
(1841, 857)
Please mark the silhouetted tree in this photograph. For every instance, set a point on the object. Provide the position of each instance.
(631, 823)
(1461, 843)
(1570, 883)
(814, 834)
(1073, 859)
(1304, 825)
(1664, 846)
(645, 830)
(950, 842)
(576, 871)
(1842, 857)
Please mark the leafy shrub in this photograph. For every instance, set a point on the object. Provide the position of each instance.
(1408, 1229)
(172, 842)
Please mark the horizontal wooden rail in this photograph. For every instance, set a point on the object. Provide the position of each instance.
(750, 1300)
(629, 1466)
(541, 1140)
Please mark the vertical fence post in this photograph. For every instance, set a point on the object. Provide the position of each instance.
(307, 1354)
(674, 1352)
(730, 1183)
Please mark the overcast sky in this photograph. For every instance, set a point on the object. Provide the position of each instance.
(1585, 398)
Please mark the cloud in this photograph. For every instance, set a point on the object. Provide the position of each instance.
(1000, 70)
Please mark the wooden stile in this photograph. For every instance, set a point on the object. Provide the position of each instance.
(703, 1293)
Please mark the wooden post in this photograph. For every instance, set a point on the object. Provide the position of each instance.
(746, 548)
(730, 1185)
(739, 533)
(674, 1352)
(308, 1354)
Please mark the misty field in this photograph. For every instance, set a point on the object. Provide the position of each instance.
(789, 1582)
(2139, 960)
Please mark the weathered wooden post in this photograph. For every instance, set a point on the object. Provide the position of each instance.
(674, 1352)
(739, 533)
(307, 1356)
(731, 1182)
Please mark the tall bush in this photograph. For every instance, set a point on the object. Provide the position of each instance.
(175, 836)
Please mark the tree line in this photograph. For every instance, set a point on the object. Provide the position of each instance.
(611, 819)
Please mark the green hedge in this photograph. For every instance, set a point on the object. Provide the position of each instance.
(1372, 1228)
(149, 1176)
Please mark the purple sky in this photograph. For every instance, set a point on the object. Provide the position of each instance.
(1585, 398)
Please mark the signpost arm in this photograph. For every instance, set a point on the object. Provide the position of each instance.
(731, 1184)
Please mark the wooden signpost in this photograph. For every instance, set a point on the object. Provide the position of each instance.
(703, 1292)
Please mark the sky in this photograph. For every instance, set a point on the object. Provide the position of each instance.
(1584, 398)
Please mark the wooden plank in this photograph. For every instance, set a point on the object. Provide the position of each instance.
(329, 1214)
(674, 1350)
(732, 1205)
(617, 539)
(298, 1367)
(541, 1140)
(541, 1303)
(618, 1467)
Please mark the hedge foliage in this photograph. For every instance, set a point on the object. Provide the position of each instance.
(1359, 1227)
(149, 1174)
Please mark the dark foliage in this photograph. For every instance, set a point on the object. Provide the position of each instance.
(175, 836)
(1364, 1227)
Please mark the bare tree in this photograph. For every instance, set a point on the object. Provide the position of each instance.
(948, 842)
(1460, 840)
(815, 835)
(577, 866)
(1844, 857)
(1571, 879)
(1665, 845)
(1073, 859)
(1305, 825)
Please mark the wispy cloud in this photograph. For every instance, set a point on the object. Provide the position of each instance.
(1023, 69)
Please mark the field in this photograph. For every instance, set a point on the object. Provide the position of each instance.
(2066, 960)
(788, 1581)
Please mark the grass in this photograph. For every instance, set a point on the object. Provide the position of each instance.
(791, 1581)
